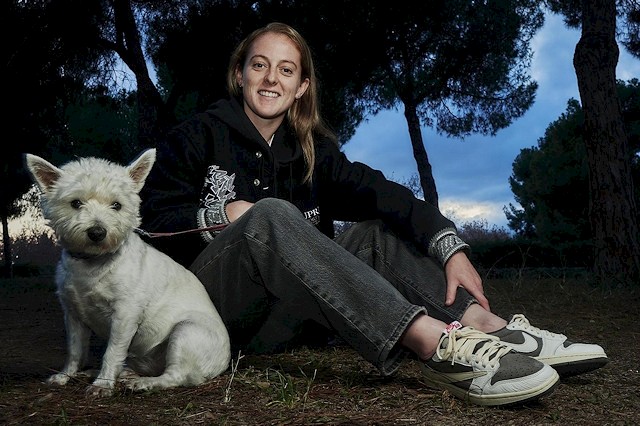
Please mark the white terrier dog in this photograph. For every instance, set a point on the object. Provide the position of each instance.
(155, 314)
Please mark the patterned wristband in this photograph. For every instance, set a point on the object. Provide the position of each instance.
(214, 215)
(445, 244)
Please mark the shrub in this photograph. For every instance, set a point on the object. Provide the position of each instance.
(33, 254)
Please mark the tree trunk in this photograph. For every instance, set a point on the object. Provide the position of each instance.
(420, 154)
(152, 115)
(611, 204)
(7, 270)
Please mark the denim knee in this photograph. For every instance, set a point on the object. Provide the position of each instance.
(270, 209)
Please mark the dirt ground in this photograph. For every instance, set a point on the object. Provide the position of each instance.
(330, 385)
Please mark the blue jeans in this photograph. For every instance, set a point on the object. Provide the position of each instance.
(274, 277)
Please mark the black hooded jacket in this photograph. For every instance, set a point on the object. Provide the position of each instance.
(220, 155)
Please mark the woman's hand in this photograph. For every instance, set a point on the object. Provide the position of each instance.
(235, 209)
(459, 272)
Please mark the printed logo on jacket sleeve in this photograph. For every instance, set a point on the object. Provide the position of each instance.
(313, 215)
(218, 186)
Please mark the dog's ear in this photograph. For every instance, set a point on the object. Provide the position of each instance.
(140, 167)
(43, 173)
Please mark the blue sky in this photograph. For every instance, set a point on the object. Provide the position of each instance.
(472, 174)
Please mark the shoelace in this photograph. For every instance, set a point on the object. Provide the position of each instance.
(468, 344)
(523, 322)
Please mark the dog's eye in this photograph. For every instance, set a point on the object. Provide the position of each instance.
(116, 206)
(76, 204)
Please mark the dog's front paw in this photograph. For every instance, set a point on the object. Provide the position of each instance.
(139, 384)
(100, 389)
(58, 379)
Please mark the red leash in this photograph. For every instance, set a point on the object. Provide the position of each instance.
(188, 231)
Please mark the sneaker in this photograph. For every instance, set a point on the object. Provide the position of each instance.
(553, 349)
(479, 368)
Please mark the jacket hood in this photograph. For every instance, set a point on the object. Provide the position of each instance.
(285, 147)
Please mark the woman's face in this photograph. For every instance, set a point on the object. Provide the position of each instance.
(271, 77)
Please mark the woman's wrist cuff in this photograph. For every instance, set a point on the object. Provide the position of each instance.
(214, 215)
(445, 244)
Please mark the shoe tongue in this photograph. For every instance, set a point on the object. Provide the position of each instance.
(447, 331)
(453, 326)
(492, 355)
(479, 345)
(444, 342)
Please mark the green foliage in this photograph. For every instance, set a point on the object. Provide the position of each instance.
(630, 10)
(496, 248)
(62, 418)
(628, 20)
(34, 254)
(478, 231)
(36, 88)
(550, 181)
(288, 390)
(520, 253)
(47, 62)
(191, 44)
(463, 64)
(102, 124)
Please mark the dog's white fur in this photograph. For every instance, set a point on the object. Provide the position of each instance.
(155, 314)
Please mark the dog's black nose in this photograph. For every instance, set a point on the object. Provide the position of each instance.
(96, 233)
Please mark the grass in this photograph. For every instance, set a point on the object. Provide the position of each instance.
(331, 385)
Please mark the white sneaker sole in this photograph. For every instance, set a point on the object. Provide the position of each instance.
(433, 379)
(572, 365)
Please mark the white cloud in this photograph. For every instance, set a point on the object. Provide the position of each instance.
(628, 66)
(463, 210)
